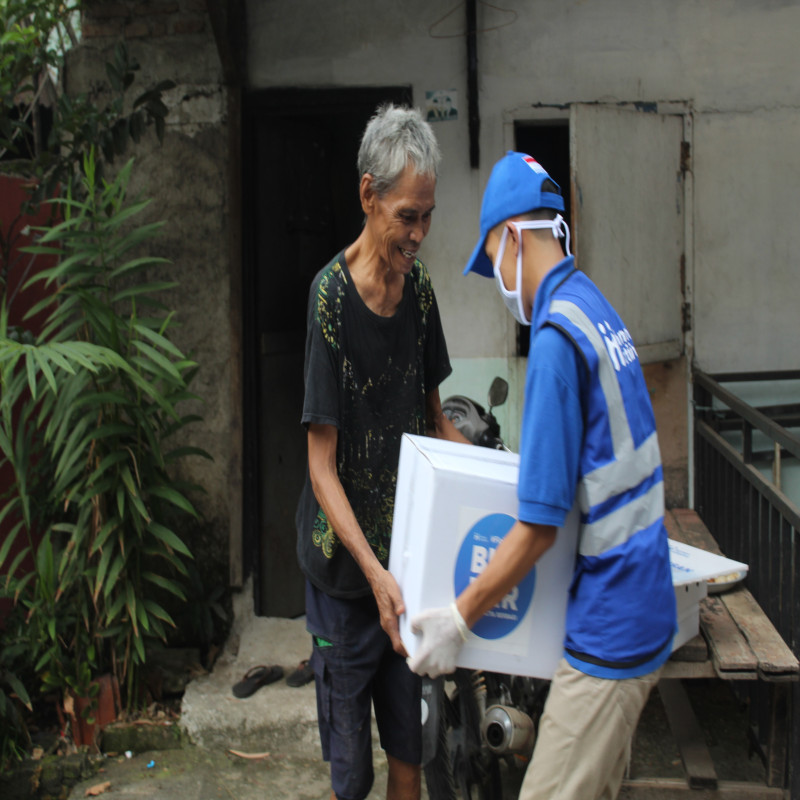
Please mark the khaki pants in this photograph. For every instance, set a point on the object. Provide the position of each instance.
(585, 736)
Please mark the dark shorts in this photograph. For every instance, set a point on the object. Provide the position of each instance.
(354, 668)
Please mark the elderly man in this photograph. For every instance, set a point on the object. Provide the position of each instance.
(588, 437)
(375, 355)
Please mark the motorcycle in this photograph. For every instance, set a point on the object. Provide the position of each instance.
(470, 418)
(479, 727)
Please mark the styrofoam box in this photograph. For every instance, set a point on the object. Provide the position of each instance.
(453, 505)
(691, 569)
(688, 597)
(691, 564)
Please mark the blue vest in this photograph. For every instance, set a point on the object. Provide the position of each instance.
(621, 615)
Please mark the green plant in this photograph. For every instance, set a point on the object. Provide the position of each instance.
(88, 406)
(34, 39)
(87, 413)
(46, 142)
(33, 45)
(204, 616)
(14, 737)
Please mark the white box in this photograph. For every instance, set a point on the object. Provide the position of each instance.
(453, 505)
(691, 569)
(691, 564)
(687, 598)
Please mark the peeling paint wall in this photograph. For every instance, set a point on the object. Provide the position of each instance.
(732, 61)
(186, 177)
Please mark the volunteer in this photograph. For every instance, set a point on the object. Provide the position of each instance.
(375, 355)
(588, 438)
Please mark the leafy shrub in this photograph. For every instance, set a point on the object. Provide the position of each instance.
(87, 416)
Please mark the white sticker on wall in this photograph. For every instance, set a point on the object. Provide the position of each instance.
(441, 105)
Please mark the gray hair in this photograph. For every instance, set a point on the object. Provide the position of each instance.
(393, 138)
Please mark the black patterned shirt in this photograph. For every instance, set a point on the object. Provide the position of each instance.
(369, 376)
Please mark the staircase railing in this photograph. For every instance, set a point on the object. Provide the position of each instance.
(743, 454)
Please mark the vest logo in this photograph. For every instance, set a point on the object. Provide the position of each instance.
(476, 551)
(619, 345)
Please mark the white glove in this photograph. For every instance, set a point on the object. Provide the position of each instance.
(443, 633)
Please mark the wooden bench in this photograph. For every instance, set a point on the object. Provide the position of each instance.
(736, 642)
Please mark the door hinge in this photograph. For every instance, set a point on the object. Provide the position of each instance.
(686, 317)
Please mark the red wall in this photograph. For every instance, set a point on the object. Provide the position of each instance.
(17, 270)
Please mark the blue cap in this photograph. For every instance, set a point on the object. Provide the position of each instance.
(514, 187)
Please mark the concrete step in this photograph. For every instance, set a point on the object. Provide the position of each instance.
(278, 717)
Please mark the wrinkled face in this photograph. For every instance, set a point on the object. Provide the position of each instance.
(400, 220)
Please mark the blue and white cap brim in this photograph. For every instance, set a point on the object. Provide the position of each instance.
(479, 262)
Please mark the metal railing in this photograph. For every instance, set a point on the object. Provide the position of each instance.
(740, 455)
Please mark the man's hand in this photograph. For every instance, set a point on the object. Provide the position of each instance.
(390, 605)
(443, 633)
(328, 489)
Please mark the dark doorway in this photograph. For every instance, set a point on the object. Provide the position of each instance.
(548, 142)
(301, 207)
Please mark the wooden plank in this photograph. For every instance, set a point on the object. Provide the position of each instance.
(671, 524)
(775, 660)
(755, 633)
(695, 649)
(689, 669)
(779, 726)
(684, 525)
(731, 654)
(690, 661)
(689, 737)
(673, 789)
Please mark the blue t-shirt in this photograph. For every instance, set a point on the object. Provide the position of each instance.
(552, 421)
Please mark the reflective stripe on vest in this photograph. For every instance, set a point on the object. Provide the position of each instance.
(631, 466)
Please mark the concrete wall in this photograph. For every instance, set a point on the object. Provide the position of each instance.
(186, 177)
(732, 61)
(747, 195)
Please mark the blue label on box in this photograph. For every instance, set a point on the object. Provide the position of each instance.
(475, 553)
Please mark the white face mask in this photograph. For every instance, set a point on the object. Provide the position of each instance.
(513, 298)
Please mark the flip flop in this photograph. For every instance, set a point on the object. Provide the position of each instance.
(302, 675)
(255, 678)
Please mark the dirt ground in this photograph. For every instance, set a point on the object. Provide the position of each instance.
(202, 774)
(723, 719)
(197, 773)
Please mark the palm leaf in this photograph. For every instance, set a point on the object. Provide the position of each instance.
(164, 583)
(158, 339)
(135, 265)
(113, 574)
(169, 538)
(112, 612)
(161, 360)
(157, 611)
(8, 542)
(97, 545)
(143, 289)
(173, 496)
